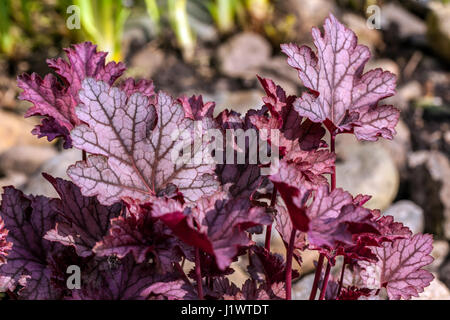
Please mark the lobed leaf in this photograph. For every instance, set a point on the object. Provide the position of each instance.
(339, 91)
(400, 267)
(80, 221)
(56, 100)
(130, 158)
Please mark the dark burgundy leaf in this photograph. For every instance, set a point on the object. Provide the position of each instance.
(215, 225)
(28, 219)
(80, 221)
(139, 233)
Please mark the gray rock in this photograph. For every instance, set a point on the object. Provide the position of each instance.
(439, 253)
(435, 291)
(25, 159)
(438, 32)
(367, 168)
(408, 213)
(408, 92)
(15, 130)
(408, 24)
(430, 189)
(239, 101)
(147, 61)
(302, 288)
(385, 64)
(15, 179)
(399, 147)
(282, 74)
(310, 13)
(243, 54)
(369, 37)
(56, 167)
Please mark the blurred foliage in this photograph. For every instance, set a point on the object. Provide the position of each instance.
(29, 24)
(103, 23)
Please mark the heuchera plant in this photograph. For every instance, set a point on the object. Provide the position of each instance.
(133, 220)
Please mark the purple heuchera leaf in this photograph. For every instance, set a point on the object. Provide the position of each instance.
(239, 179)
(130, 159)
(399, 267)
(171, 290)
(195, 109)
(266, 266)
(139, 233)
(295, 136)
(330, 219)
(57, 101)
(5, 246)
(28, 219)
(122, 279)
(81, 221)
(284, 226)
(250, 291)
(215, 225)
(340, 93)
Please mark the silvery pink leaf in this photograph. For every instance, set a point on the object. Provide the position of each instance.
(293, 130)
(284, 226)
(28, 219)
(280, 106)
(339, 90)
(326, 214)
(171, 290)
(80, 221)
(330, 219)
(400, 267)
(287, 180)
(214, 224)
(139, 233)
(5, 246)
(391, 229)
(143, 86)
(195, 109)
(56, 101)
(130, 158)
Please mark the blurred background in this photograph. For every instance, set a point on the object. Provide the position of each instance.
(215, 48)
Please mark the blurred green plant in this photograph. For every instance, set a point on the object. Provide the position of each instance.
(102, 22)
(175, 12)
(6, 37)
(223, 13)
(15, 22)
(178, 17)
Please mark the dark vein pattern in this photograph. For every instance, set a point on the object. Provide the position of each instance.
(399, 267)
(339, 91)
(130, 157)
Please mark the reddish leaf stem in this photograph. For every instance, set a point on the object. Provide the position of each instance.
(312, 296)
(182, 273)
(333, 186)
(198, 274)
(341, 280)
(269, 227)
(289, 256)
(333, 150)
(325, 281)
